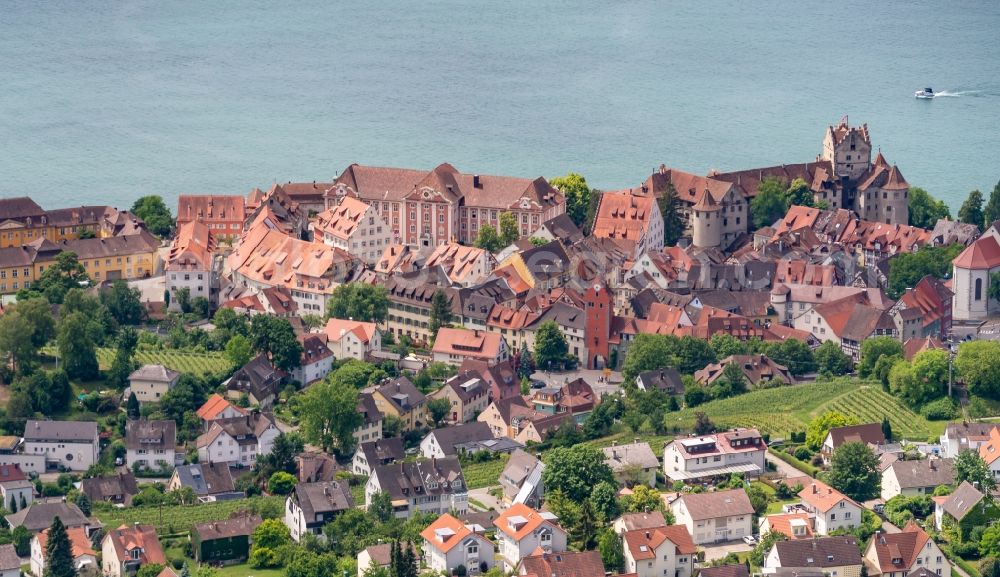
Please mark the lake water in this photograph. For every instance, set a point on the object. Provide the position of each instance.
(104, 101)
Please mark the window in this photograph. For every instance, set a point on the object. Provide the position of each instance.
(979, 289)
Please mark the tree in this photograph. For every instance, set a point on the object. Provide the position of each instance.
(906, 269)
(76, 349)
(673, 224)
(16, 348)
(648, 352)
(702, 424)
(281, 483)
(155, 214)
(887, 429)
(821, 425)
(759, 499)
(270, 536)
(381, 507)
(763, 546)
(693, 354)
(992, 210)
(794, 354)
(132, 406)
(123, 303)
(440, 311)
(275, 338)
(329, 415)
(730, 383)
(578, 195)
(83, 503)
(922, 380)
(38, 314)
(359, 301)
(925, 210)
(58, 552)
(550, 345)
(150, 570)
(874, 348)
(239, 350)
(610, 545)
(604, 497)
(971, 211)
(798, 193)
(643, 498)
(575, 471)
(122, 366)
(59, 278)
(488, 239)
(831, 360)
(184, 299)
(990, 566)
(509, 231)
(971, 467)
(978, 363)
(438, 409)
(769, 205)
(854, 471)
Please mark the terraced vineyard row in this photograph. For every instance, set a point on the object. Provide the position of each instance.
(871, 403)
(185, 362)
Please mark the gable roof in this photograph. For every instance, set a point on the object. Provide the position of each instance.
(820, 552)
(899, 551)
(702, 506)
(520, 520)
(60, 431)
(733, 570)
(564, 564)
(126, 539)
(640, 454)
(783, 524)
(644, 543)
(468, 343)
(635, 521)
(448, 437)
(336, 328)
(259, 377)
(383, 451)
(151, 435)
(323, 497)
(215, 406)
(962, 500)
(445, 532)
(79, 543)
(405, 479)
(822, 496)
(990, 450)
(237, 526)
(206, 478)
(109, 487)
(402, 393)
(868, 433)
(923, 473)
(39, 515)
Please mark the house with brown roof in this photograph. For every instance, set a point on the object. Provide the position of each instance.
(755, 368)
(666, 379)
(84, 556)
(521, 479)
(634, 221)
(829, 509)
(401, 398)
(930, 301)
(127, 548)
(349, 339)
(39, 515)
(312, 505)
(658, 551)
(898, 554)
(562, 564)
(191, 264)
(151, 445)
(375, 453)
(259, 380)
(425, 485)
(74, 445)
(226, 541)
(797, 525)
(454, 345)
(958, 437)
(465, 265)
(209, 481)
(379, 556)
(501, 379)
(450, 543)
(16, 491)
(966, 508)
(317, 359)
(224, 215)
(521, 530)
(731, 570)
(370, 428)
(916, 478)
(636, 521)
(715, 516)
(514, 419)
(849, 321)
(218, 407)
(826, 555)
(237, 441)
(115, 489)
(445, 441)
(740, 451)
(468, 395)
(356, 227)
(867, 433)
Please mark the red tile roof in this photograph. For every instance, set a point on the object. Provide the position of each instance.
(984, 254)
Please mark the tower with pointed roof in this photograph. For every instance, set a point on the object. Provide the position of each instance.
(706, 222)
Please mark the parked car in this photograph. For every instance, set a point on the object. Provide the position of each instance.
(750, 539)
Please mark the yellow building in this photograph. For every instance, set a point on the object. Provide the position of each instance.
(23, 222)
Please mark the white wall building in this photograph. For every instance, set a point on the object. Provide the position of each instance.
(70, 444)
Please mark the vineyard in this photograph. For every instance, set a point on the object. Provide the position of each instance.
(485, 474)
(782, 410)
(181, 361)
(172, 519)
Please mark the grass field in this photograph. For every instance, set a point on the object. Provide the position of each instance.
(184, 362)
(479, 475)
(245, 571)
(172, 519)
(782, 410)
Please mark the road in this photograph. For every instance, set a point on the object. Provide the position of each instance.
(556, 379)
(783, 468)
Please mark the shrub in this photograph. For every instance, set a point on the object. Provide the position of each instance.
(939, 410)
(803, 454)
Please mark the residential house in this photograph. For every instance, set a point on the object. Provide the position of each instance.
(38, 516)
(84, 556)
(959, 437)
(966, 509)
(501, 379)
(868, 434)
(659, 551)
(209, 481)
(634, 221)
(468, 395)
(574, 398)
(191, 265)
(848, 322)
(563, 564)
(541, 267)
(217, 407)
(431, 208)
(224, 215)
(442, 442)
(16, 491)
(561, 228)
(73, 445)
(666, 379)
(313, 505)
(238, 441)
(636, 521)
(731, 570)
(425, 485)
(716, 516)
(514, 419)
(259, 380)
(151, 445)
(377, 453)
(521, 480)
(370, 428)
(149, 383)
(899, 554)
(833, 556)
(755, 368)
(931, 300)
(352, 339)
(354, 226)
(453, 346)
(115, 489)
(796, 525)
(317, 360)
(521, 530)
(916, 478)
(449, 544)
(379, 556)
(465, 265)
(126, 548)
(316, 466)
(740, 451)
(829, 508)
(401, 399)
(633, 463)
(990, 452)
(225, 541)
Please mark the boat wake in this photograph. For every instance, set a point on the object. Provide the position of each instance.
(957, 93)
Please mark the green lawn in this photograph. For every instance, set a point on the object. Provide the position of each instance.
(171, 519)
(358, 493)
(246, 571)
(782, 410)
(655, 441)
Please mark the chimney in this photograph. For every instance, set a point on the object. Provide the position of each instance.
(815, 489)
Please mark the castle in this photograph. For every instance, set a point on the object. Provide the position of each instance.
(716, 208)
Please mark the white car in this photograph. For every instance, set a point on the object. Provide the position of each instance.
(750, 540)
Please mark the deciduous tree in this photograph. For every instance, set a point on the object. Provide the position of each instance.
(76, 348)
(438, 409)
(992, 210)
(329, 415)
(925, 210)
(906, 269)
(794, 354)
(971, 211)
(239, 350)
(575, 471)
(488, 238)
(854, 471)
(152, 210)
(577, 192)
(275, 338)
(551, 349)
(359, 301)
(821, 425)
(770, 204)
(971, 467)
(831, 360)
(874, 348)
(509, 229)
(440, 312)
(978, 363)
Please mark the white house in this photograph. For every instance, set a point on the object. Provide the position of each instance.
(829, 508)
(374, 453)
(521, 530)
(84, 556)
(352, 339)
(127, 548)
(15, 488)
(454, 345)
(425, 485)
(716, 516)
(150, 383)
(958, 437)
(916, 478)
(312, 505)
(740, 451)
(449, 543)
(237, 441)
(191, 265)
(354, 226)
(829, 556)
(659, 551)
(633, 463)
(317, 360)
(10, 564)
(899, 554)
(151, 444)
(442, 442)
(70, 444)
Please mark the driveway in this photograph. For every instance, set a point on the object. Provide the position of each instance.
(557, 379)
(713, 552)
(783, 468)
(482, 495)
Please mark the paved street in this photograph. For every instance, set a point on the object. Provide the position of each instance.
(591, 376)
(783, 468)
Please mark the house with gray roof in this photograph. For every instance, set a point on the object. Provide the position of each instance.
(39, 515)
(151, 445)
(375, 453)
(312, 505)
(259, 380)
(633, 463)
(442, 442)
(967, 507)
(209, 481)
(916, 478)
(832, 555)
(73, 445)
(425, 485)
(150, 383)
(115, 489)
(521, 479)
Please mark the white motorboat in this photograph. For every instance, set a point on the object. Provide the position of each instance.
(925, 93)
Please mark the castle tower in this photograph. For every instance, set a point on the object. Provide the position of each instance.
(849, 150)
(706, 222)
